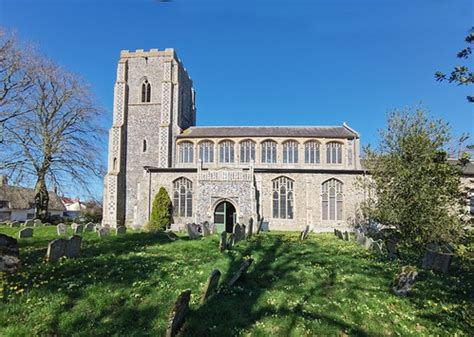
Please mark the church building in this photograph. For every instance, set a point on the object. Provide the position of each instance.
(292, 176)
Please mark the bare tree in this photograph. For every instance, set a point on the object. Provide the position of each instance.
(54, 138)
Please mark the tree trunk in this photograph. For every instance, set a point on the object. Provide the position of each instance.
(41, 198)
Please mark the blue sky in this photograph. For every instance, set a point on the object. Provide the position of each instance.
(270, 62)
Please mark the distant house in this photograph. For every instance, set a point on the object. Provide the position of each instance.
(18, 203)
(74, 207)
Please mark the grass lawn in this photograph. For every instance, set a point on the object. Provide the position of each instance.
(126, 286)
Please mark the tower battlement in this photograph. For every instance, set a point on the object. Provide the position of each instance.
(150, 53)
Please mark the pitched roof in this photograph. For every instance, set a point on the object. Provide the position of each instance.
(22, 198)
(343, 131)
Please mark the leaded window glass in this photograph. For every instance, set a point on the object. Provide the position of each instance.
(334, 153)
(247, 151)
(206, 152)
(186, 152)
(332, 200)
(226, 151)
(183, 197)
(283, 198)
(312, 152)
(290, 152)
(269, 151)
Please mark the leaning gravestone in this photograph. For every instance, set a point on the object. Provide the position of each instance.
(205, 228)
(191, 233)
(347, 236)
(392, 250)
(230, 241)
(339, 234)
(78, 229)
(56, 249)
(250, 231)
(304, 233)
(61, 229)
(9, 254)
(89, 227)
(211, 285)
(15, 224)
(240, 272)
(103, 231)
(120, 230)
(223, 241)
(243, 232)
(178, 313)
(237, 233)
(73, 246)
(437, 258)
(368, 243)
(361, 239)
(404, 281)
(26, 233)
(259, 227)
(29, 223)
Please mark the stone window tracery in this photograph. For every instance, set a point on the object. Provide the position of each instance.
(290, 152)
(206, 152)
(312, 154)
(283, 198)
(186, 152)
(334, 153)
(332, 200)
(247, 151)
(226, 151)
(183, 197)
(269, 151)
(146, 92)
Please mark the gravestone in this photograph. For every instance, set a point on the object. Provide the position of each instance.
(74, 225)
(250, 231)
(404, 281)
(46, 224)
(265, 226)
(360, 239)
(56, 249)
(243, 232)
(223, 241)
(29, 223)
(335, 232)
(26, 233)
(89, 227)
(243, 269)
(339, 234)
(392, 250)
(237, 233)
(213, 228)
(304, 233)
(211, 285)
(437, 258)
(378, 248)
(97, 227)
(103, 231)
(259, 227)
(368, 243)
(191, 232)
(178, 313)
(347, 236)
(9, 254)
(37, 222)
(15, 224)
(120, 230)
(78, 229)
(205, 229)
(73, 246)
(230, 241)
(61, 229)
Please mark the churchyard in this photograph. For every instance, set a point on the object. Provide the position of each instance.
(296, 285)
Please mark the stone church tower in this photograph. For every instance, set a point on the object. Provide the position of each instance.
(154, 101)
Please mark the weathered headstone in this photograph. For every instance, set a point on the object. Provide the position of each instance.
(46, 224)
(250, 231)
(392, 250)
(304, 233)
(191, 232)
(243, 232)
(29, 223)
(9, 254)
(120, 230)
(335, 232)
(178, 313)
(265, 226)
(15, 224)
(97, 227)
(243, 269)
(89, 227)
(73, 246)
(74, 225)
(56, 249)
(259, 227)
(213, 228)
(368, 243)
(437, 258)
(61, 229)
(237, 233)
(230, 241)
(339, 234)
(211, 285)
(37, 222)
(205, 228)
(361, 239)
(78, 229)
(404, 281)
(223, 241)
(103, 231)
(26, 232)
(347, 236)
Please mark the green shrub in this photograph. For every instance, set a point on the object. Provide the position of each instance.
(161, 212)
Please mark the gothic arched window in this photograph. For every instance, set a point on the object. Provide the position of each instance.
(247, 151)
(332, 200)
(334, 153)
(290, 152)
(186, 152)
(206, 152)
(311, 152)
(269, 151)
(146, 92)
(183, 197)
(283, 198)
(226, 151)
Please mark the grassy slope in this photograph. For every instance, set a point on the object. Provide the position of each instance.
(125, 286)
